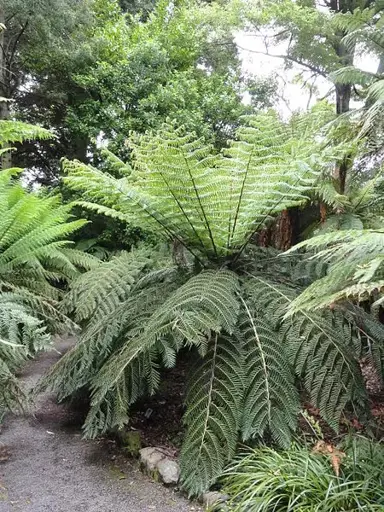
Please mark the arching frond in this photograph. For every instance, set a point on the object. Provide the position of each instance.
(271, 401)
(214, 403)
(211, 203)
(17, 131)
(95, 295)
(323, 349)
(355, 268)
(135, 334)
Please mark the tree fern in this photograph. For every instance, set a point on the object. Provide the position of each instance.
(35, 256)
(113, 299)
(211, 203)
(364, 27)
(227, 303)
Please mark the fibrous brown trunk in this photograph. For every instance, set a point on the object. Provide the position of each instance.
(283, 233)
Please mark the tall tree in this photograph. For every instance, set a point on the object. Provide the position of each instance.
(126, 72)
(33, 35)
(314, 40)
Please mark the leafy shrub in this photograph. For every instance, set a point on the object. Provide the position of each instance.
(266, 480)
(225, 302)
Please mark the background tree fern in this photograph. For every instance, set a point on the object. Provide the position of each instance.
(354, 260)
(364, 28)
(139, 309)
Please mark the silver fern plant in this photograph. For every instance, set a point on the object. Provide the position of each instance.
(139, 309)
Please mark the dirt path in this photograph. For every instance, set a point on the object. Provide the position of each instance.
(51, 469)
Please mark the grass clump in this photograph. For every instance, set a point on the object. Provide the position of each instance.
(346, 478)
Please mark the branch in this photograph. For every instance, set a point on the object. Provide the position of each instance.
(315, 69)
(17, 42)
(7, 20)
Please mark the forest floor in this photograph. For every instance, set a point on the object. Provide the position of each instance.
(46, 466)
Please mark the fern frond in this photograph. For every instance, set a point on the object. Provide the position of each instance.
(17, 131)
(364, 30)
(322, 348)
(271, 400)
(134, 291)
(329, 195)
(116, 164)
(355, 268)
(205, 303)
(211, 203)
(98, 293)
(213, 402)
(21, 336)
(350, 74)
(120, 337)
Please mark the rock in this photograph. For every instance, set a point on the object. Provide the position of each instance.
(169, 471)
(150, 457)
(212, 498)
(157, 465)
(4, 453)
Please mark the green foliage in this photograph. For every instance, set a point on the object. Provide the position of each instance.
(16, 131)
(361, 205)
(35, 260)
(364, 27)
(271, 400)
(213, 413)
(106, 73)
(179, 63)
(355, 269)
(210, 202)
(223, 300)
(266, 480)
(322, 349)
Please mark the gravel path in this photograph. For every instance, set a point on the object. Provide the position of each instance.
(52, 469)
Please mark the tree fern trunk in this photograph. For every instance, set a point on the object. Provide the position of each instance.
(283, 233)
(343, 91)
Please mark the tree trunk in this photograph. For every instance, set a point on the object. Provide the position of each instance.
(283, 233)
(5, 159)
(80, 148)
(343, 91)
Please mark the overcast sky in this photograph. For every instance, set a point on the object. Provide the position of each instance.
(293, 96)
